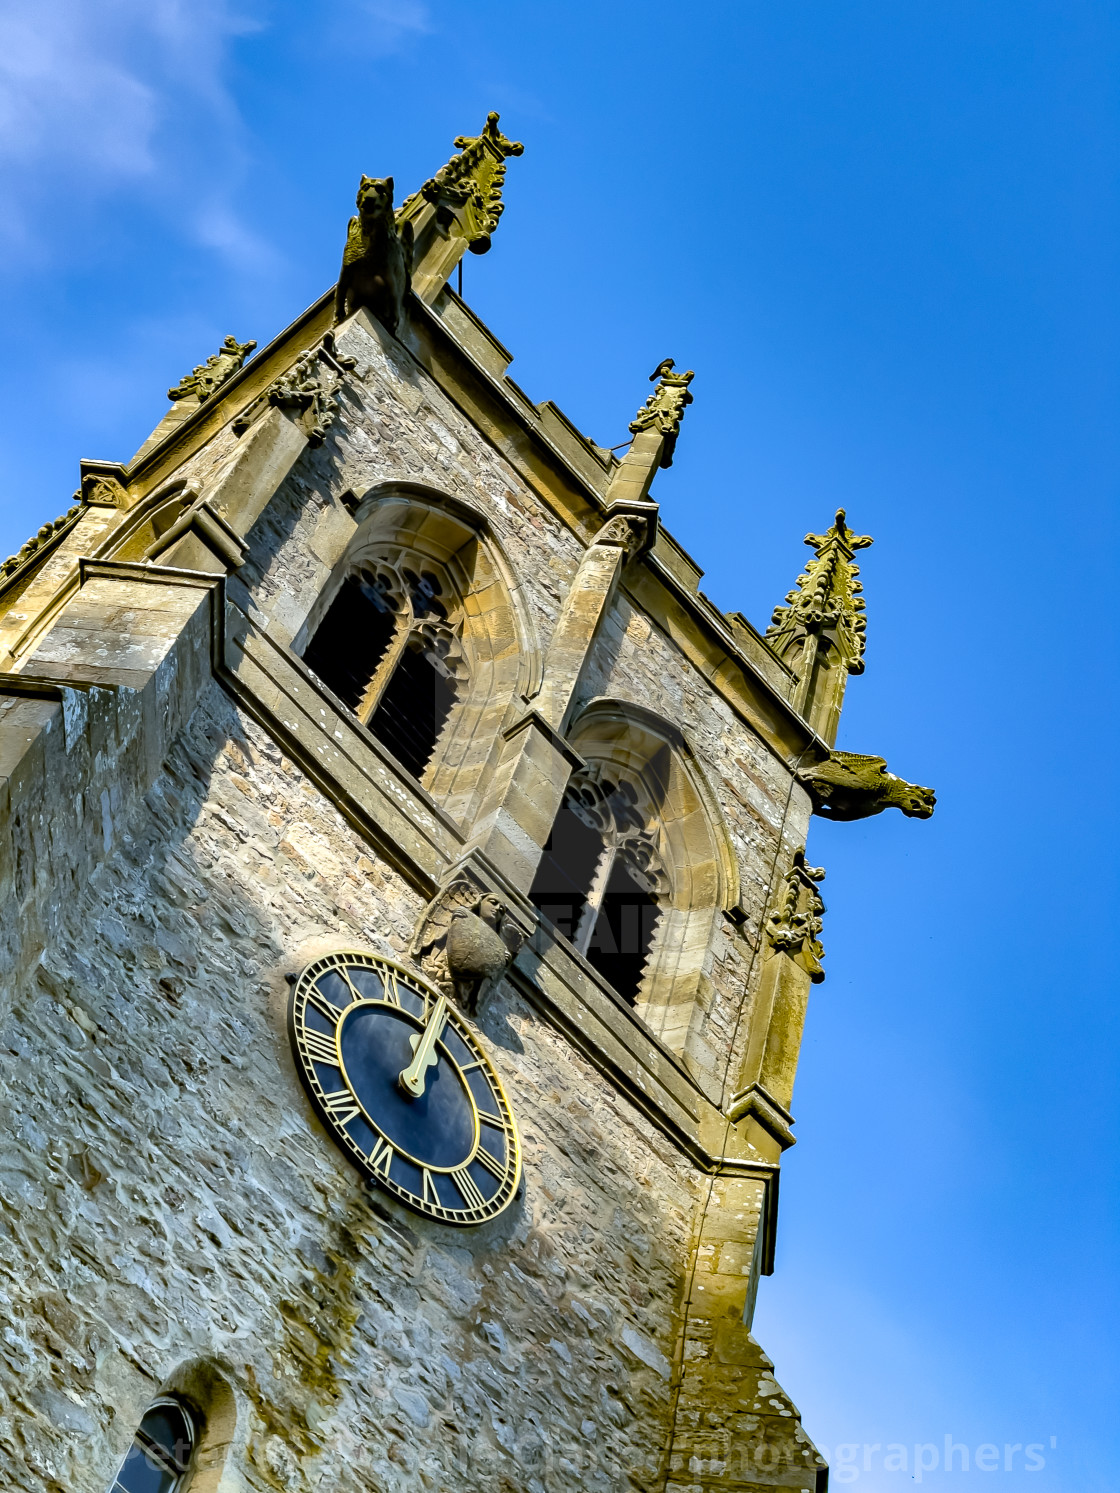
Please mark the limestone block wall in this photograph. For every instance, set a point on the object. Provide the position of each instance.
(170, 1209)
(396, 425)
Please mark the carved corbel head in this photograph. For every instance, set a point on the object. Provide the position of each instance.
(626, 531)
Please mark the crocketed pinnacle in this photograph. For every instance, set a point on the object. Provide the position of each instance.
(207, 378)
(665, 407)
(470, 185)
(826, 604)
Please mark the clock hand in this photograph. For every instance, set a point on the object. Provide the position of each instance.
(412, 1079)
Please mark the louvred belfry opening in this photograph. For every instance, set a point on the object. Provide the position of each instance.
(623, 930)
(413, 711)
(571, 856)
(387, 649)
(351, 640)
(599, 879)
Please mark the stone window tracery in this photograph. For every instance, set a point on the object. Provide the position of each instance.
(647, 796)
(389, 646)
(159, 1458)
(602, 876)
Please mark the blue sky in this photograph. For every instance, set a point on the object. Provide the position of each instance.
(885, 235)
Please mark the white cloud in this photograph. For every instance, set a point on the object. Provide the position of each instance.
(396, 21)
(118, 93)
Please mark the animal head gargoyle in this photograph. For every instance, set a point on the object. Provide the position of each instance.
(852, 786)
(375, 196)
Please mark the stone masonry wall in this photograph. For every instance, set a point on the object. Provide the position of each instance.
(166, 1194)
(395, 424)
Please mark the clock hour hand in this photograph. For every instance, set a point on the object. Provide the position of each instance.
(413, 1078)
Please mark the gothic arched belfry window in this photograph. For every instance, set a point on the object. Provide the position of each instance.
(389, 647)
(602, 874)
(638, 870)
(424, 633)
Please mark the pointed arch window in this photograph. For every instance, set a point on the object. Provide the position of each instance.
(601, 879)
(159, 1458)
(389, 647)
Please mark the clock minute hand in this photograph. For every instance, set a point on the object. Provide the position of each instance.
(413, 1078)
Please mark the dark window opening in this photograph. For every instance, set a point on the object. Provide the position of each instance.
(351, 640)
(623, 931)
(160, 1453)
(616, 935)
(571, 854)
(413, 710)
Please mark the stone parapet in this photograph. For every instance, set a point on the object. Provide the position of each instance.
(84, 730)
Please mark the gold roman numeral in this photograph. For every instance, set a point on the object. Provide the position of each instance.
(489, 1119)
(491, 1163)
(389, 986)
(466, 1185)
(325, 1007)
(381, 1157)
(320, 1047)
(354, 995)
(430, 1193)
(341, 1106)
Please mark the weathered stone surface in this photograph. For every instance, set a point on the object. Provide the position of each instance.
(193, 1208)
(188, 816)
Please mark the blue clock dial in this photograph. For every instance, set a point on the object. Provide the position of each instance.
(404, 1086)
(438, 1128)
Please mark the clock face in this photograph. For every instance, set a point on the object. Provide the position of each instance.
(404, 1087)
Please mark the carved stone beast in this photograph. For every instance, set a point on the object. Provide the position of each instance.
(852, 786)
(377, 260)
(465, 942)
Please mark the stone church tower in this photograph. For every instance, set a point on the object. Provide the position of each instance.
(407, 931)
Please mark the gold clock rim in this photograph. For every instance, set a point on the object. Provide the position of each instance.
(459, 1217)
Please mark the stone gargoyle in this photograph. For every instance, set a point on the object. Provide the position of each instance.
(852, 786)
(377, 260)
(466, 941)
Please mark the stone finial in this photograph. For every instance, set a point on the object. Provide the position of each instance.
(793, 926)
(469, 187)
(850, 785)
(826, 599)
(665, 407)
(820, 631)
(207, 378)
